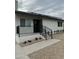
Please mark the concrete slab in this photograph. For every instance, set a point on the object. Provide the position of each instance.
(40, 45)
(25, 51)
(22, 57)
(26, 38)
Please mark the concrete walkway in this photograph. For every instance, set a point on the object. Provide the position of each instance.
(23, 52)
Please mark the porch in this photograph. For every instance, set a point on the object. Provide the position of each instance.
(27, 37)
(28, 31)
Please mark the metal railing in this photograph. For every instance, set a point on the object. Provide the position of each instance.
(47, 32)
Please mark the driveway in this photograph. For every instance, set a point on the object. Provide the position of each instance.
(54, 51)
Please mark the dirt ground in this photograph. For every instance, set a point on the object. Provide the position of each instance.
(55, 51)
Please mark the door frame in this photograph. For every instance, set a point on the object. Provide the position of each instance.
(38, 26)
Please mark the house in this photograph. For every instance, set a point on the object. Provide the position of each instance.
(30, 23)
(33, 22)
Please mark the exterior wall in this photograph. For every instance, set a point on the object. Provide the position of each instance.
(24, 29)
(17, 20)
(52, 24)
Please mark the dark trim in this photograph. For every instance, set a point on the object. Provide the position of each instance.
(38, 15)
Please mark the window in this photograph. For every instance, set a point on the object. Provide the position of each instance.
(28, 23)
(59, 24)
(22, 22)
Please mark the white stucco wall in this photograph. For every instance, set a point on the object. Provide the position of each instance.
(52, 24)
(24, 29)
(17, 20)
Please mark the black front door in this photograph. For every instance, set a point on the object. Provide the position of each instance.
(37, 25)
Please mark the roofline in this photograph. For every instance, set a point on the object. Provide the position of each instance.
(36, 14)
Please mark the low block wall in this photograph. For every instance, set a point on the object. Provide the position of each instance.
(26, 30)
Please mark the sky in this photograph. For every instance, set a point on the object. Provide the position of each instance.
(46, 7)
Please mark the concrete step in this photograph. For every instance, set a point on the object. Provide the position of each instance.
(30, 39)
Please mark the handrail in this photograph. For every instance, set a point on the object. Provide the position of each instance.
(18, 28)
(46, 31)
(47, 28)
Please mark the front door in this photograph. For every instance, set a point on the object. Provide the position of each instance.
(37, 25)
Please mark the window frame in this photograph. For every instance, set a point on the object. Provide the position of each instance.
(59, 24)
(28, 23)
(22, 20)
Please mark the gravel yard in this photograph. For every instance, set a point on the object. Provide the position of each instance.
(55, 51)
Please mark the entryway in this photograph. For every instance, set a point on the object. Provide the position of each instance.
(37, 25)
